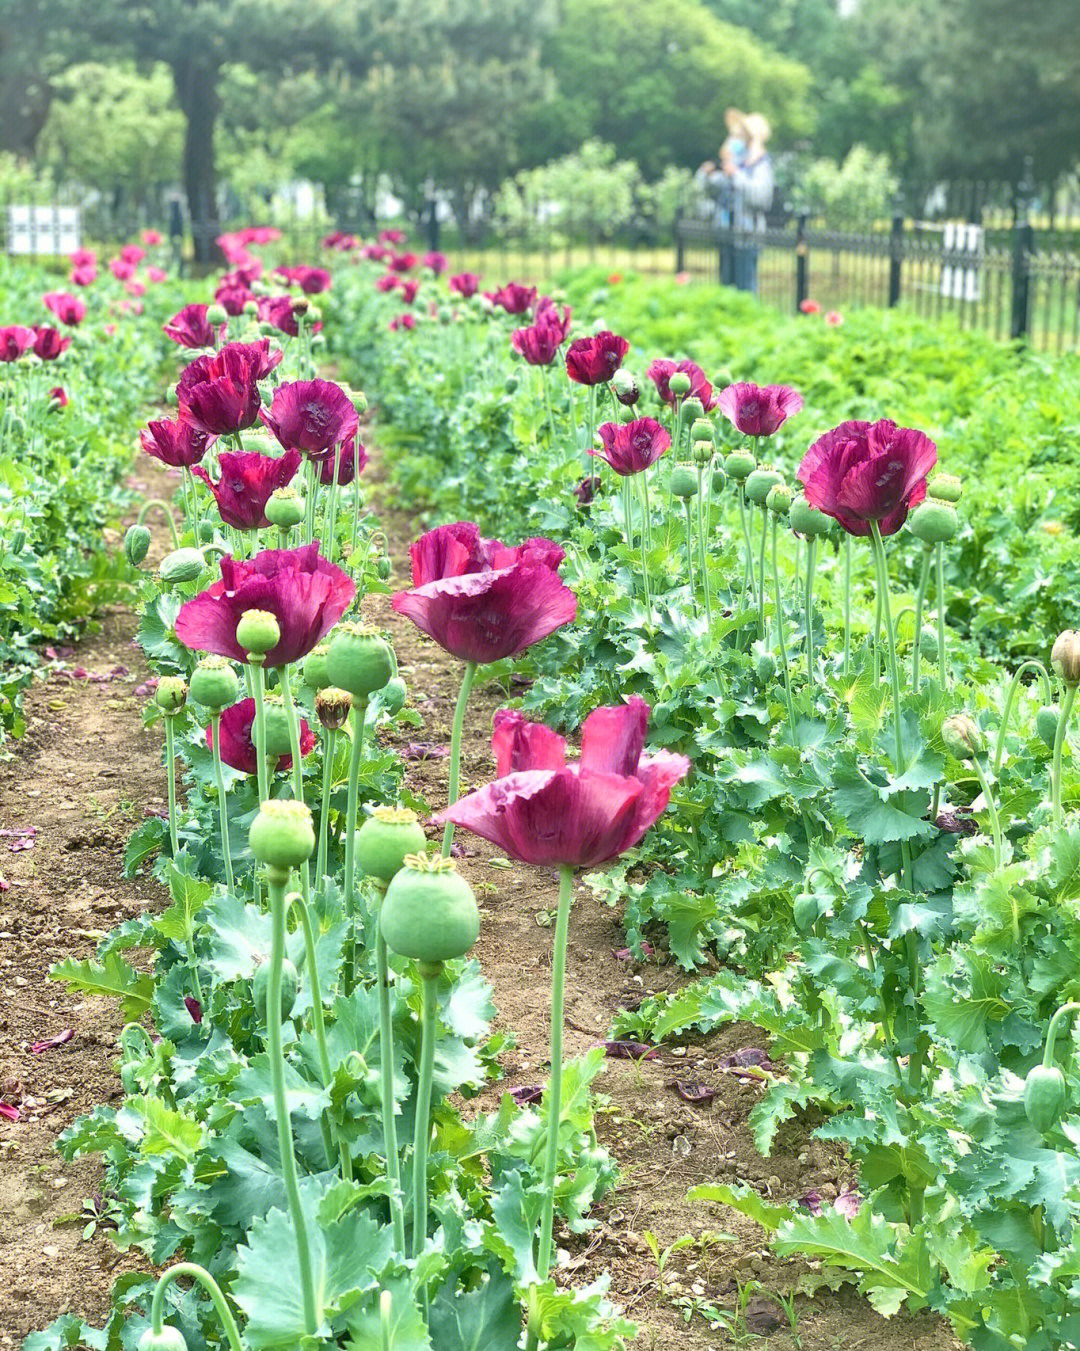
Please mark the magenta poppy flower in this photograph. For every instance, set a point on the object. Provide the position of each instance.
(392, 236)
(132, 253)
(350, 460)
(237, 743)
(311, 280)
(190, 327)
(547, 312)
(538, 344)
(305, 592)
(543, 811)
(868, 471)
(156, 274)
(402, 321)
(14, 341)
(244, 274)
(465, 284)
(220, 392)
(281, 313)
(457, 549)
(246, 482)
(84, 258)
(232, 299)
(759, 410)
(374, 252)
(435, 262)
(263, 358)
(389, 281)
(402, 262)
(69, 309)
(587, 488)
(514, 297)
(121, 269)
(409, 290)
(630, 447)
(315, 416)
(661, 371)
(594, 360)
(49, 342)
(151, 238)
(178, 443)
(58, 395)
(83, 276)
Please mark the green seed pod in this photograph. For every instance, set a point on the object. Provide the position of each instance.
(702, 451)
(718, 481)
(386, 839)
(168, 1339)
(805, 911)
(285, 508)
(765, 666)
(290, 988)
(359, 660)
(216, 314)
(683, 481)
(962, 736)
(251, 308)
(171, 694)
(313, 671)
(429, 912)
(761, 482)
(206, 531)
(740, 464)
(692, 410)
(807, 520)
(182, 565)
(18, 541)
(1065, 656)
(136, 544)
(214, 683)
(701, 429)
(779, 499)
(359, 401)
(1046, 724)
(392, 695)
(258, 632)
(934, 521)
(1044, 1096)
(277, 727)
(946, 487)
(333, 707)
(282, 836)
(723, 378)
(679, 383)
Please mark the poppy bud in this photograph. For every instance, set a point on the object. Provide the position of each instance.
(679, 383)
(314, 672)
(934, 521)
(170, 396)
(282, 835)
(626, 387)
(359, 401)
(215, 314)
(962, 736)
(1065, 656)
(723, 378)
(779, 499)
(702, 452)
(510, 384)
(285, 508)
(301, 305)
(761, 482)
(168, 1339)
(251, 308)
(392, 695)
(386, 839)
(382, 568)
(692, 408)
(333, 707)
(313, 315)
(807, 520)
(764, 666)
(702, 430)
(278, 741)
(136, 544)
(946, 487)
(1046, 724)
(359, 660)
(928, 643)
(430, 912)
(740, 464)
(683, 481)
(171, 694)
(182, 565)
(214, 683)
(718, 480)
(258, 632)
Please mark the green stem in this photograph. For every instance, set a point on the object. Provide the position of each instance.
(811, 556)
(645, 532)
(1059, 1017)
(995, 820)
(170, 761)
(920, 598)
(751, 586)
(780, 630)
(359, 720)
(195, 522)
(690, 554)
(297, 762)
(255, 662)
(277, 879)
(1032, 663)
(553, 1097)
(940, 561)
(386, 1077)
(223, 801)
(1059, 745)
(429, 983)
(386, 1303)
(203, 1277)
(163, 507)
(702, 551)
(324, 810)
(847, 603)
(467, 679)
(761, 572)
(355, 514)
(332, 511)
(545, 376)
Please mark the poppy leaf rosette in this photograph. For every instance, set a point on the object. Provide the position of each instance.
(220, 392)
(630, 447)
(661, 371)
(594, 360)
(759, 410)
(861, 472)
(305, 593)
(190, 327)
(544, 811)
(314, 416)
(175, 442)
(247, 479)
(238, 745)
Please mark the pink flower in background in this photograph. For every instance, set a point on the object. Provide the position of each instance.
(135, 287)
(409, 290)
(402, 262)
(14, 341)
(392, 236)
(389, 281)
(349, 461)
(834, 318)
(515, 297)
(58, 395)
(594, 360)
(547, 312)
(465, 284)
(68, 308)
(661, 371)
(315, 416)
(538, 344)
(868, 471)
(83, 276)
(220, 392)
(156, 274)
(631, 447)
(402, 321)
(152, 238)
(84, 258)
(246, 482)
(435, 262)
(281, 312)
(809, 306)
(233, 298)
(238, 745)
(121, 269)
(759, 410)
(49, 342)
(177, 443)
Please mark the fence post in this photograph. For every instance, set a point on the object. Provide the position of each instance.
(896, 256)
(1023, 245)
(679, 252)
(802, 262)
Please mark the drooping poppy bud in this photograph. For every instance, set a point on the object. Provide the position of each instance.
(962, 736)
(136, 544)
(1065, 656)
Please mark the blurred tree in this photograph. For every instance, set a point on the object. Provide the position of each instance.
(27, 63)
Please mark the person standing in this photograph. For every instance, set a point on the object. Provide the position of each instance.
(753, 184)
(716, 181)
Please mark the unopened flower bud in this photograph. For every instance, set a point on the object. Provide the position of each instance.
(1046, 724)
(934, 521)
(171, 694)
(382, 568)
(282, 835)
(946, 487)
(251, 308)
(779, 499)
(285, 508)
(740, 464)
(702, 451)
(683, 481)
(136, 544)
(314, 313)
(1065, 656)
(679, 384)
(962, 736)
(301, 305)
(214, 683)
(171, 397)
(359, 401)
(718, 480)
(626, 387)
(258, 632)
(761, 482)
(333, 706)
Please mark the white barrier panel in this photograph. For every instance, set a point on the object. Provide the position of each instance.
(51, 231)
(960, 279)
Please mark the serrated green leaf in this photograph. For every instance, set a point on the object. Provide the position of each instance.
(745, 1200)
(112, 977)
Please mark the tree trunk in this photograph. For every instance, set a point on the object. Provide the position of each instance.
(196, 92)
